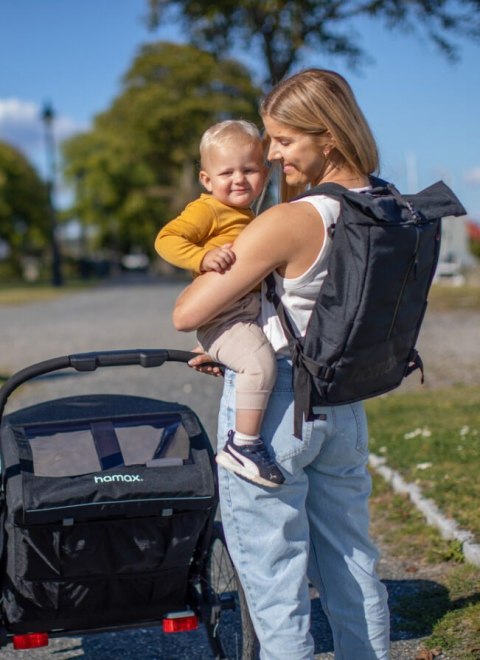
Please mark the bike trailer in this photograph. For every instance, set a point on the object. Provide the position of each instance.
(106, 500)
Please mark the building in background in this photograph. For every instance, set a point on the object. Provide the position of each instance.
(455, 254)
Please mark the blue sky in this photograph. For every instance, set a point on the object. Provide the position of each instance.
(423, 110)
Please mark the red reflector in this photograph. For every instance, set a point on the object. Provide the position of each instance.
(30, 641)
(173, 624)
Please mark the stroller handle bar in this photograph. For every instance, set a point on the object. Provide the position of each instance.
(145, 357)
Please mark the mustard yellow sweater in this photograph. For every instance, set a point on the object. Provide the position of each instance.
(204, 224)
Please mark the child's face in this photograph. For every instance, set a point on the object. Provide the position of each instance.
(234, 173)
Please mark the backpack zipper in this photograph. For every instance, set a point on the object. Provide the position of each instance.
(413, 264)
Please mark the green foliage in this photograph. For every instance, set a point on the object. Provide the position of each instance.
(406, 529)
(24, 206)
(433, 439)
(458, 632)
(135, 169)
(283, 29)
(474, 244)
(444, 601)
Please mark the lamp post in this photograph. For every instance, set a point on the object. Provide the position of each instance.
(48, 117)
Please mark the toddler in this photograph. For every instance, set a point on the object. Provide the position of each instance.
(200, 239)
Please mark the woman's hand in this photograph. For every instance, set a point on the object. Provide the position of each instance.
(204, 363)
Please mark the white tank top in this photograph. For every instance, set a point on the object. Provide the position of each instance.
(298, 294)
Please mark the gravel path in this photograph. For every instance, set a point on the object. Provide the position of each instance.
(136, 314)
(113, 317)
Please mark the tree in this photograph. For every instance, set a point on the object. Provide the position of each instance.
(134, 169)
(283, 28)
(24, 207)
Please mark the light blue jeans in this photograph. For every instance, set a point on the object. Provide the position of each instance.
(315, 525)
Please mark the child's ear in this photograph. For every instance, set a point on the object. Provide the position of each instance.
(205, 180)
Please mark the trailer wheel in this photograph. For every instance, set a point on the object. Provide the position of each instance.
(230, 628)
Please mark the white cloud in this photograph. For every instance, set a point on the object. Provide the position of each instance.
(21, 125)
(473, 176)
(14, 108)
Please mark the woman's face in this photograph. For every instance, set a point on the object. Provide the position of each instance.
(300, 154)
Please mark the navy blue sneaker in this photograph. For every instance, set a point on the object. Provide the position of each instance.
(252, 462)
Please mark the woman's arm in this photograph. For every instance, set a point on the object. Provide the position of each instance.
(262, 247)
(287, 237)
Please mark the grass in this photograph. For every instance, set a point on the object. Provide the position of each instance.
(444, 297)
(443, 605)
(22, 294)
(433, 439)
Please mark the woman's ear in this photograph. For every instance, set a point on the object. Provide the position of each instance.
(328, 144)
(205, 180)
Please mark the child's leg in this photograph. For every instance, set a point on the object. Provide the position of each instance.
(254, 382)
(243, 348)
(248, 424)
(235, 339)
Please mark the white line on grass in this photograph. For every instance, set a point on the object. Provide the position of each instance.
(448, 528)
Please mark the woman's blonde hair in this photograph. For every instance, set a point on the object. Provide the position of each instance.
(317, 102)
(225, 131)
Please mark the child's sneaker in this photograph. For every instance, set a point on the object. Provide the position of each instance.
(253, 462)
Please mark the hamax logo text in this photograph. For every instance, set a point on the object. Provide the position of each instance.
(117, 477)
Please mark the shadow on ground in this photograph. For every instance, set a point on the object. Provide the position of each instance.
(415, 606)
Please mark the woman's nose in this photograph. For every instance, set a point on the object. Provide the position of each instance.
(273, 152)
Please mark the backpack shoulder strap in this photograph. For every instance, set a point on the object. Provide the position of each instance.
(273, 297)
(337, 191)
(304, 367)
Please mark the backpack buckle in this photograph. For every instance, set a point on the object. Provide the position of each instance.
(415, 362)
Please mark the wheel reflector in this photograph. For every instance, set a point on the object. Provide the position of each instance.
(180, 622)
(30, 641)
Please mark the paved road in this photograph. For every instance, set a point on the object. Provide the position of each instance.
(134, 315)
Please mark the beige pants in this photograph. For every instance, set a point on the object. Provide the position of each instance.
(236, 340)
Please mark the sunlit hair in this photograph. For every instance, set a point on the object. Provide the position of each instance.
(321, 102)
(226, 132)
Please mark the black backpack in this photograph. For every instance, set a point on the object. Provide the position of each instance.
(360, 340)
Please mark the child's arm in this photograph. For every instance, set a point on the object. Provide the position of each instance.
(180, 241)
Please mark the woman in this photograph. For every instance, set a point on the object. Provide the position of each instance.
(316, 523)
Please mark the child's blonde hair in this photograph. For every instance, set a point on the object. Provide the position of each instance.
(228, 131)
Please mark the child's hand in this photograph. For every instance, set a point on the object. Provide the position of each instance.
(219, 259)
(204, 363)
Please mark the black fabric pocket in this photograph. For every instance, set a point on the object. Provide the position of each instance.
(116, 571)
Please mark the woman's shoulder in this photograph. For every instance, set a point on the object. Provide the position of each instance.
(274, 211)
(285, 211)
(326, 207)
(285, 228)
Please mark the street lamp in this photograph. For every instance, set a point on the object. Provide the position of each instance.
(48, 117)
